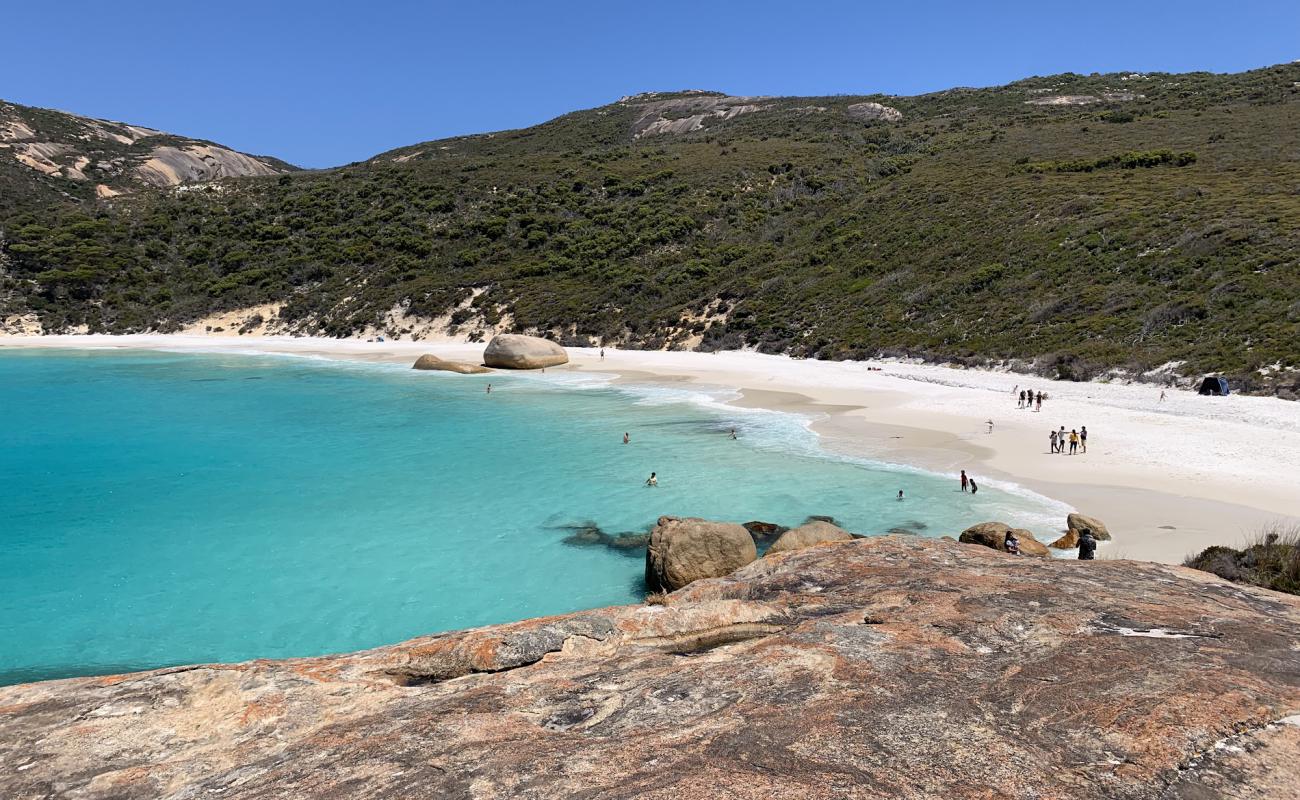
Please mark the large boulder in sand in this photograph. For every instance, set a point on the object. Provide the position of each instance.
(1075, 523)
(431, 362)
(683, 550)
(513, 351)
(809, 534)
(994, 535)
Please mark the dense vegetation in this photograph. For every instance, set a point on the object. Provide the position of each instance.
(1272, 561)
(1158, 226)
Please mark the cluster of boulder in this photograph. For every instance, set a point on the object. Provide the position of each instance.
(682, 550)
(505, 351)
(687, 549)
(994, 535)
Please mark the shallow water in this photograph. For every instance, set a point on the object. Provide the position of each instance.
(161, 508)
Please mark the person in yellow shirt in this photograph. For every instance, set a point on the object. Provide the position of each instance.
(1074, 441)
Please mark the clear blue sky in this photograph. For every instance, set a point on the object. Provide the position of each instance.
(320, 83)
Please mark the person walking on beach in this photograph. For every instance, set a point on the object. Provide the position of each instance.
(1083, 438)
(1051, 438)
(1087, 546)
(652, 480)
(1074, 441)
(1162, 395)
(1040, 402)
(1022, 399)
(626, 438)
(965, 482)
(1060, 441)
(602, 354)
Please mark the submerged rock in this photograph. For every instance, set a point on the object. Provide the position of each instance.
(514, 351)
(890, 667)
(809, 534)
(994, 535)
(682, 551)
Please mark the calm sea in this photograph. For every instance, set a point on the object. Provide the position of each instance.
(160, 508)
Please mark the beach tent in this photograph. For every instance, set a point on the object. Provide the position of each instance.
(1214, 386)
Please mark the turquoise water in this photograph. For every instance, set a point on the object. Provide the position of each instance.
(160, 508)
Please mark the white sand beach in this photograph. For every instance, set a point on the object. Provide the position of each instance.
(1168, 478)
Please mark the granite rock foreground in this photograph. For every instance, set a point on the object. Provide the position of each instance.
(887, 667)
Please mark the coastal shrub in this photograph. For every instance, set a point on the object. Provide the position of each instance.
(1272, 560)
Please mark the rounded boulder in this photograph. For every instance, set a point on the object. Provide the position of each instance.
(514, 351)
(684, 550)
(994, 535)
(428, 361)
(809, 534)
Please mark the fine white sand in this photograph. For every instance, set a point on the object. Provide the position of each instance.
(1168, 478)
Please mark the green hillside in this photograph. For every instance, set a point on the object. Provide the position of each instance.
(1143, 219)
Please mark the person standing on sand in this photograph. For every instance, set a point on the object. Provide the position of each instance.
(1060, 441)
(1074, 441)
(1083, 438)
(626, 438)
(1051, 439)
(1022, 400)
(652, 480)
(1040, 402)
(602, 354)
(965, 482)
(1162, 395)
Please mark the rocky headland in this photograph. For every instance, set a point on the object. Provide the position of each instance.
(894, 666)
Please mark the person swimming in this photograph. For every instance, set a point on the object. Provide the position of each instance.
(900, 494)
(733, 433)
(652, 480)
(626, 438)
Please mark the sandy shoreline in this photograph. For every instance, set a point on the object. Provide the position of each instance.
(1169, 478)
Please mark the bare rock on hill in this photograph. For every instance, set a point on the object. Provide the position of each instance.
(809, 534)
(428, 361)
(884, 668)
(682, 551)
(870, 112)
(687, 112)
(515, 351)
(994, 535)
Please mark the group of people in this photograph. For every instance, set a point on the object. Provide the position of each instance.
(1031, 399)
(968, 484)
(1076, 439)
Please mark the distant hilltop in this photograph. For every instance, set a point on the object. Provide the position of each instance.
(109, 158)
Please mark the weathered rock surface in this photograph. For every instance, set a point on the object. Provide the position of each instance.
(515, 351)
(896, 667)
(809, 534)
(869, 112)
(994, 535)
(683, 550)
(1075, 523)
(429, 361)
